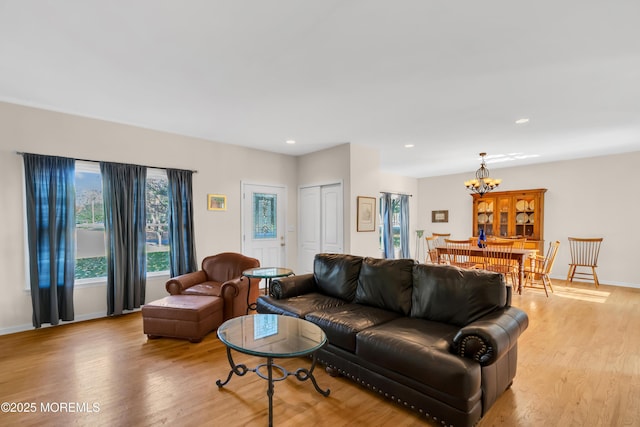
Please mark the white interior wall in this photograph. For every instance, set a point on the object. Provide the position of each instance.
(329, 166)
(586, 197)
(365, 181)
(594, 197)
(221, 168)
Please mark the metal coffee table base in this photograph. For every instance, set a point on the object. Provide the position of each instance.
(302, 374)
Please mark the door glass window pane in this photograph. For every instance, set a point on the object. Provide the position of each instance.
(264, 216)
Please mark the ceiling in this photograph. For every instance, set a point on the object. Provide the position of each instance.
(450, 77)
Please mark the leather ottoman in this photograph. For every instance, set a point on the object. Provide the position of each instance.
(182, 316)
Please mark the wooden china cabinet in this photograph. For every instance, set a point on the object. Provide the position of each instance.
(518, 213)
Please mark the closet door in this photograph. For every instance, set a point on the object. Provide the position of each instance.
(320, 223)
(331, 227)
(309, 228)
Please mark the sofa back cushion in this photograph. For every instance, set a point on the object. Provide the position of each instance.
(386, 283)
(337, 275)
(455, 296)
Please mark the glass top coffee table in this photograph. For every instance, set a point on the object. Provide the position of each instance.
(272, 336)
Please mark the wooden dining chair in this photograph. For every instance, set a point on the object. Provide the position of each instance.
(584, 254)
(537, 274)
(440, 238)
(432, 253)
(459, 253)
(497, 258)
(478, 259)
(518, 243)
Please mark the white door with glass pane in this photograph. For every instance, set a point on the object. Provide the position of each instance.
(263, 224)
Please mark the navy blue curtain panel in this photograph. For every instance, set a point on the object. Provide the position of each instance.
(182, 252)
(123, 189)
(50, 195)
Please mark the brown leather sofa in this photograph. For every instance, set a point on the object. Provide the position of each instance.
(221, 276)
(434, 338)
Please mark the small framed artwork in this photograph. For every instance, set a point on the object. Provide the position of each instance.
(439, 216)
(366, 214)
(216, 202)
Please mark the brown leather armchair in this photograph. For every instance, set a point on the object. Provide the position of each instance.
(221, 276)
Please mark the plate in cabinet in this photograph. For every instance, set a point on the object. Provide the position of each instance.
(521, 218)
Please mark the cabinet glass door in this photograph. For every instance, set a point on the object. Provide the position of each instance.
(525, 216)
(503, 217)
(485, 218)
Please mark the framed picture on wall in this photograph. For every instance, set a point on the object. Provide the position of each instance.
(366, 215)
(439, 216)
(216, 202)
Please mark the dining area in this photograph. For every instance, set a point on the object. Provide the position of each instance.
(521, 265)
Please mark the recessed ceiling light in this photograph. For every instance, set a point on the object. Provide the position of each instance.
(290, 141)
(522, 121)
(409, 145)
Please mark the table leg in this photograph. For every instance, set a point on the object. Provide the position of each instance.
(270, 388)
(520, 273)
(250, 306)
(239, 370)
(303, 374)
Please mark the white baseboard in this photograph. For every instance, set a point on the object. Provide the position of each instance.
(78, 318)
(603, 282)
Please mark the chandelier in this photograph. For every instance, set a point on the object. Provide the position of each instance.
(482, 183)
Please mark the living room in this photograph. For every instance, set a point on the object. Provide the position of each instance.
(589, 193)
(609, 214)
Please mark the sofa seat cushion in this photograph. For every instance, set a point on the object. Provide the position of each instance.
(342, 323)
(209, 288)
(297, 306)
(419, 349)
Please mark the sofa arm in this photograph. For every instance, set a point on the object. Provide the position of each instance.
(177, 284)
(292, 286)
(490, 337)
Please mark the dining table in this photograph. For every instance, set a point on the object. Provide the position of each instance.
(519, 255)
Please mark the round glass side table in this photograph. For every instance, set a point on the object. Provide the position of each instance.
(267, 273)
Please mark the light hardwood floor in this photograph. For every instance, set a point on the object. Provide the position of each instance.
(579, 365)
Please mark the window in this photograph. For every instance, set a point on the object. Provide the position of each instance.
(90, 237)
(157, 221)
(264, 216)
(395, 221)
(90, 234)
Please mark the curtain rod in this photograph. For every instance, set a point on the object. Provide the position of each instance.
(98, 161)
(397, 194)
